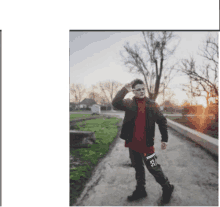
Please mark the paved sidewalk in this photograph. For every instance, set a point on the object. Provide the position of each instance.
(191, 169)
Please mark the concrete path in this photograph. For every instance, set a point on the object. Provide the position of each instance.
(191, 169)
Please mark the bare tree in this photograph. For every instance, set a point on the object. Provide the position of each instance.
(104, 101)
(109, 90)
(150, 59)
(185, 103)
(78, 91)
(93, 94)
(168, 94)
(210, 51)
(190, 92)
(203, 79)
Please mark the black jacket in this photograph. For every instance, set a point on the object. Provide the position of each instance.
(153, 114)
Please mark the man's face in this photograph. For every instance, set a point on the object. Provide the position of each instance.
(139, 91)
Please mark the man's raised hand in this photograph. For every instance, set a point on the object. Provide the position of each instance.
(128, 86)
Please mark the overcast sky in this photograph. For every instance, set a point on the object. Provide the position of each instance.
(95, 56)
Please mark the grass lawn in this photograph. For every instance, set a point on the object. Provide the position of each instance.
(105, 132)
(77, 116)
(206, 126)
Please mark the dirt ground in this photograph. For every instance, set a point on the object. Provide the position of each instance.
(192, 170)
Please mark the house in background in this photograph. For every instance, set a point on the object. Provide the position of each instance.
(167, 106)
(86, 103)
(72, 106)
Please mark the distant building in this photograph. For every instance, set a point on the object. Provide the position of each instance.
(178, 109)
(72, 106)
(87, 103)
(167, 106)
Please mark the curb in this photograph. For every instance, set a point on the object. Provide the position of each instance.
(207, 142)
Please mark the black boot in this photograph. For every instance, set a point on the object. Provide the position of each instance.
(167, 192)
(139, 192)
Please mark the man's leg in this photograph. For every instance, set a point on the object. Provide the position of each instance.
(156, 170)
(137, 163)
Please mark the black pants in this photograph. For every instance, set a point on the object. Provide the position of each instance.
(151, 164)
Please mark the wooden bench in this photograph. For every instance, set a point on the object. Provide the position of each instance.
(80, 139)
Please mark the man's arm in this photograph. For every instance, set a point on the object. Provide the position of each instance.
(162, 123)
(119, 102)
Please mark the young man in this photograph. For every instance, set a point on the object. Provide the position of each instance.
(138, 130)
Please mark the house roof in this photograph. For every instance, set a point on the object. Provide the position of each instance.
(72, 103)
(88, 101)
